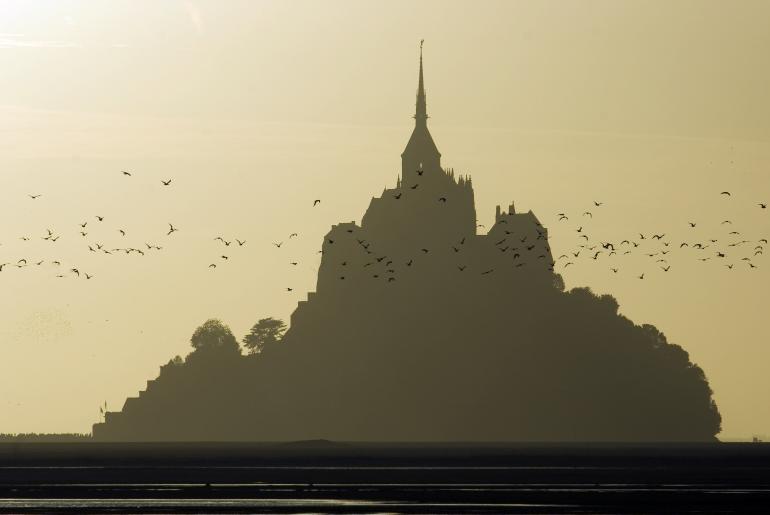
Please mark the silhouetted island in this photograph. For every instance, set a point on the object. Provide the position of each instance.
(423, 330)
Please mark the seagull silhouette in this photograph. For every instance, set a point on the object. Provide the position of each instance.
(763, 205)
(240, 243)
(171, 229)
(316, 202)
(725, 193)
(33, 197)
(278, 244)
(166, 183)
(126, 173)
(100, 218)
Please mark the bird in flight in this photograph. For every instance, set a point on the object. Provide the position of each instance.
(166, 183)
(289, 289)
(725, 193)
(692, 224)
(397, 196)
(414, 187)
(171, 230)
(316, 202)
(588, 213)
(127, 174)
(212, 265)
(763, 205)
(278, 244)
(442, 199)
(292, 235)
(33, 197)
(641, 276)
(122, 232)
(100, 218)
(420, 172)
(665, 268)
(88, 276)
(240, 243)
(462, 268)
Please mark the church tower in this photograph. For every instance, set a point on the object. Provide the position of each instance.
(421, 152)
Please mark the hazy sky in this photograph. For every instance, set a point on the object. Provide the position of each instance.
(255, 108)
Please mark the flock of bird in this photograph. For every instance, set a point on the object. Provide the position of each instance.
(95, 247)
(730, 248)
(83, 232)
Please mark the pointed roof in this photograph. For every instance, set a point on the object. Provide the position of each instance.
(421, 111)
(421, 141)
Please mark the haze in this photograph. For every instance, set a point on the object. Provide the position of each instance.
(255, 109)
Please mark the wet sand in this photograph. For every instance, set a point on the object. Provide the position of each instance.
(328, 477)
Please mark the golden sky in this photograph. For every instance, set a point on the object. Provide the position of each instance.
(255, 108)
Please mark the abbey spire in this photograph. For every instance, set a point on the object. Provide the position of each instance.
(421, 111)
(420, 152)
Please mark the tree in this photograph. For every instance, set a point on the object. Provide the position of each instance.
(266, 332)
(213, 335)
